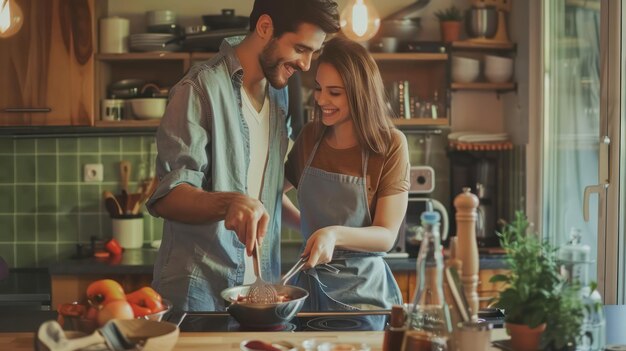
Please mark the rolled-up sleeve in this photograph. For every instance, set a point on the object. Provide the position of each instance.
(183, 142)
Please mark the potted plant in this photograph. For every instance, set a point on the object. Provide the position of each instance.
(564, 323)
(533, 284)
(450, 22)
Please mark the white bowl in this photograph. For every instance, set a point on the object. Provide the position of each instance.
(498, 69)
(148, 108)
(465, 69)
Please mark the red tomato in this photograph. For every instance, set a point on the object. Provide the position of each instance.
(92, 313)
(140, 311)
(72, 310)
(119, 309)
(102, 292)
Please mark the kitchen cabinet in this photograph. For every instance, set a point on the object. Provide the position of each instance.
(47, 68)
(164, 69)
(486, 290)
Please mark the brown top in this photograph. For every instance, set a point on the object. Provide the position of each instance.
(386, 174)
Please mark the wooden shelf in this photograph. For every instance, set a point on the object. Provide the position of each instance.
(409, 56)
(143, 56)
(414, 122)
(130, 123)
(484, 86)
(482, 45)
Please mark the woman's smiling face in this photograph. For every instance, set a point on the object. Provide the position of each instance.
(330, 95)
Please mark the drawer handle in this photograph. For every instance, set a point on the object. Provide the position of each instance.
(28, 110)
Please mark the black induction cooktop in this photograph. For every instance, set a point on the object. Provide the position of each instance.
(304, 321)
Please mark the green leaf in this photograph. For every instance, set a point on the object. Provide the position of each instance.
(499, 278)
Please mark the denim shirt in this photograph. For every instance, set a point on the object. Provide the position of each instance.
(203, 140)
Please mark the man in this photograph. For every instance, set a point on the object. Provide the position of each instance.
(221, 146)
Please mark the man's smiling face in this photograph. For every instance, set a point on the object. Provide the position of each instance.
(292, 51)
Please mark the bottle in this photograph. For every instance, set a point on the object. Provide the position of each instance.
(593, 334)
(575, 259)
(430, 313)
(394, 333)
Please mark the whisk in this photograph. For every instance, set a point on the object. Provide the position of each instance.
(260, 291)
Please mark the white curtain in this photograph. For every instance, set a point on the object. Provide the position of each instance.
(572, 87)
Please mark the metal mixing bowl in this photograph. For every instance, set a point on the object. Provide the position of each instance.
(481, 22)
(262, 316)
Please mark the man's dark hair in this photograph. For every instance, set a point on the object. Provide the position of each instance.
(287, 15)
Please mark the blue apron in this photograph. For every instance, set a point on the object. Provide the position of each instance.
(365, 281)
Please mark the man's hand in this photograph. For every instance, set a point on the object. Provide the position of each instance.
(248, 218)
(320, 247)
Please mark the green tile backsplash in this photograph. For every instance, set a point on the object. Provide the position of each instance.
(46, 208)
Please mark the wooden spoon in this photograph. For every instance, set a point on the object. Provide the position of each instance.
(112, 205)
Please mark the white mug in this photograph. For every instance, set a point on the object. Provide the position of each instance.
(112, 109)
(128, 231)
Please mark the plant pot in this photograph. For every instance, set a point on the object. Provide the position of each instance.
(524, 338)
(450, 30)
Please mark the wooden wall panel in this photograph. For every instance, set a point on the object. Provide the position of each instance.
(49, 63)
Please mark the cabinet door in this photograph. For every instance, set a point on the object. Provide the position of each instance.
(47, 68)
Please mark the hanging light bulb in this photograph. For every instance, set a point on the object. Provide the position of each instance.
(11, 18)
(359, 20)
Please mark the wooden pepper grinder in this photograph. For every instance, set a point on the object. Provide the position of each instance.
(466, 204)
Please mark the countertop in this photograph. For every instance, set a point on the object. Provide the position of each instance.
(141, 261)
(615, 320)
(230, 341)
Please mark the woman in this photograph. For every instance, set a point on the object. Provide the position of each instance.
(350, 167)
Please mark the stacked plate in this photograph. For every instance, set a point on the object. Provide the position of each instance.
(153, 42)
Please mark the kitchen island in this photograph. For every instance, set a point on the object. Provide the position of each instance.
(230, 341)
(21, 341)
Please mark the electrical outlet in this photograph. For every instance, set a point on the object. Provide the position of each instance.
(93, 172)
(422, 180)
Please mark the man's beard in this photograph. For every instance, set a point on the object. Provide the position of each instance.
(271, 66)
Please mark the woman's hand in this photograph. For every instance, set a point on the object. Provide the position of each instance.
(320, 247)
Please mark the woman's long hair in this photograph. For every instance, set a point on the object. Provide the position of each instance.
(364, 89)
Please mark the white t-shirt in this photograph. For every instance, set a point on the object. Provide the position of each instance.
(259, 129)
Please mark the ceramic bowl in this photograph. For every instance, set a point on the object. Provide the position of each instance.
(465, 69)
(148, 108)
(498, 69)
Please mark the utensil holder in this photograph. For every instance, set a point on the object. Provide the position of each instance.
(128, 231)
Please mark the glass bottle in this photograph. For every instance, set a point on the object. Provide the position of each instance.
(429, 313)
